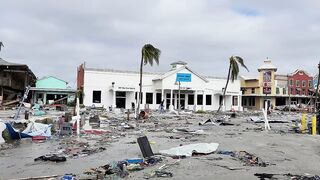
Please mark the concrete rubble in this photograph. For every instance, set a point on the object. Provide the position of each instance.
(199, 145)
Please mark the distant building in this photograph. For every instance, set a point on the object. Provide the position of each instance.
(275, 88)
(259, 89)
(301, 87)
(119, 89)
(14, 78)
(50, 89)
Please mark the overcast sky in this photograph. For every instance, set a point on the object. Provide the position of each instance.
(54, 37)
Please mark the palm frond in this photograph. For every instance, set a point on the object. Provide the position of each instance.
(241, 62)
(150, 54)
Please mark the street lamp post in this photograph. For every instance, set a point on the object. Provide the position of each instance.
(289, 92)
(179, 105)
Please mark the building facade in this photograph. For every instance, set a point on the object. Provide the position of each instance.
(14, 78)
(276, 89)
(301, 87)
(51, 89)
(119, 89)
(261, 89)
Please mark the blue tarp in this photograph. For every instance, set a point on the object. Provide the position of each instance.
(14, 134)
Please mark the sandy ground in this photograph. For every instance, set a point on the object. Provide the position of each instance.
(285, 151)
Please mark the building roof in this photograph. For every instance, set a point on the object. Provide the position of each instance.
(296, 71)
(46, 77)
(267, 65)
(120, 71)
(6, 63)
(248, 78)
(16, 65)
(179, 62)
(52, 89)
(161, 77)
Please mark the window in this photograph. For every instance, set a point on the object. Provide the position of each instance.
(208, 100)
(310, 84)
(168, 95)
(303, 83)
(96, 96)
(303, 91)
(190, 99)
(158, 98)
(244, 102)
(291, 82)
(277, 90)
(253, 90)
(149, 98)
(200, 99)
(297, 83)
(234, 100)
(252, 101)
(291, 90)
(284, 91)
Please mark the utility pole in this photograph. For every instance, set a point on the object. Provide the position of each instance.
(315, 104)
(289, 92)
(179, 105)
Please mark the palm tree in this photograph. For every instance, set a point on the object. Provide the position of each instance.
(233, 72)
(1, 45)
(148, 54)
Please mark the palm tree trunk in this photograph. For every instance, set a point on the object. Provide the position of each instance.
(225, 88)
(140, 91)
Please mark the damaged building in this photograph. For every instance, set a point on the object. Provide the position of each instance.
(14, 78)
(119, 89)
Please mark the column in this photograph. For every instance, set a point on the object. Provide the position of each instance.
(176, 101)
(204, 101)
(195, 100)
(223, 103)
(154, 98)
(186, 97)
(171, 95)
(239, 103)
(163, 98)
(114, 99)
(44, 98)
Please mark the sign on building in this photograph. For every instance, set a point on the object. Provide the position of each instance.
(183, 77)
(267, 82)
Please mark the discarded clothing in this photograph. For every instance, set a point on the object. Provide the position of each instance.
(53, 158)
(38, 129)
(189, 150)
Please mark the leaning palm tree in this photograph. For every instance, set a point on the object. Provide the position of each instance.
(233, 72)
(1, 45)
(148, 54)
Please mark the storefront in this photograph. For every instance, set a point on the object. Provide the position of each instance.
(119, 89)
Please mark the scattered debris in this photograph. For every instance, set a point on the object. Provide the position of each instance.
(54, 158)
(191, 149)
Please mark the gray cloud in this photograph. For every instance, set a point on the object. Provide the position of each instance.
(53, 38)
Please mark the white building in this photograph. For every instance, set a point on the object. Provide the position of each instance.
(115, 88)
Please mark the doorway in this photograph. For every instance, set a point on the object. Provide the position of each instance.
(268, 103)
(120, 99)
